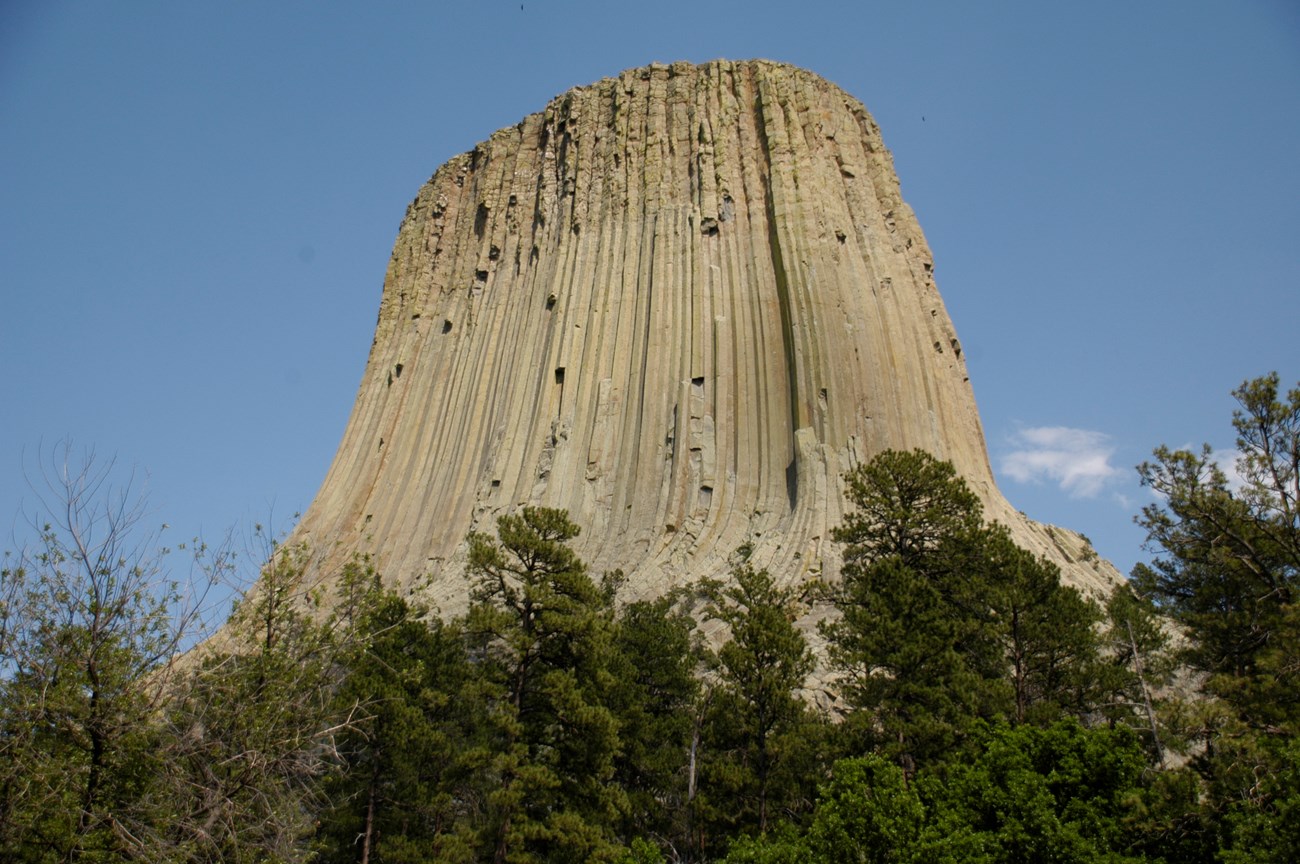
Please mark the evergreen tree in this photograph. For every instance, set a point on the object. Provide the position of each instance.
(912, 647)
(1264, 826)
(1045, 631)
(1229, 565)
(540, 630)
(944, 621)
(654, 699)
(910, 506)
(397, 793)
(907, 687)
(1138, 665)
(1228, 572)
(758, 725)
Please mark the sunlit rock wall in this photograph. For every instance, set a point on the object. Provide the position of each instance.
(680, 303)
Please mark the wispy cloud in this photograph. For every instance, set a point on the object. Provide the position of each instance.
(1077, 460)
(1227, 459)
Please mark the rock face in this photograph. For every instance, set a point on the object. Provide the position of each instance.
(680, 303)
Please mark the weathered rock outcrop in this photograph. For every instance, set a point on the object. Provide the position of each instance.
(680, 303)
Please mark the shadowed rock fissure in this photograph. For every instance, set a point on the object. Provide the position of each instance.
(782, 278)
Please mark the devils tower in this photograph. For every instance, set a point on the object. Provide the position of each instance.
(680, 303)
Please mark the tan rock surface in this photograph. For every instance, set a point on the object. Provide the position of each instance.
(680, 303)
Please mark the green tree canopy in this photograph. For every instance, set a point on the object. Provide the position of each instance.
(910, 506)
(654, 698)
(1228, 571)
(1061, 793)
(1229, 554)
(398, 793)
(757, 715)
(89, 624)
(943, 620)
(541, 631)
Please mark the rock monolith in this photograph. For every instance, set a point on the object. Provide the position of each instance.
(680, 302)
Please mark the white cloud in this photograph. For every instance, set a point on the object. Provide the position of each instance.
(1227, 460)
(1078, 460)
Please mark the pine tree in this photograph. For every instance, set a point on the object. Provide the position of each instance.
(396, 794)
(907, 687)
(915, 657)
(654, 700)
(759, 725)
(541, 629)
(910, 506)
(943, 621)
(1045, 631)
(1228, 572)
(1137, 667)
(1229, 565)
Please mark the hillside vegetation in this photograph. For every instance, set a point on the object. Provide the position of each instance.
(972, 708)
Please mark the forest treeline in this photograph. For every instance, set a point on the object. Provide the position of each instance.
(965, 706)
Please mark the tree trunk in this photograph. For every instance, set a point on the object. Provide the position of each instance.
(1146, 696)
(368, 836)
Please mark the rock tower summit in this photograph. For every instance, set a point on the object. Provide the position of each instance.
(681, 303)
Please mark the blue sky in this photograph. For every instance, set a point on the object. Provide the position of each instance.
(198, 201)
